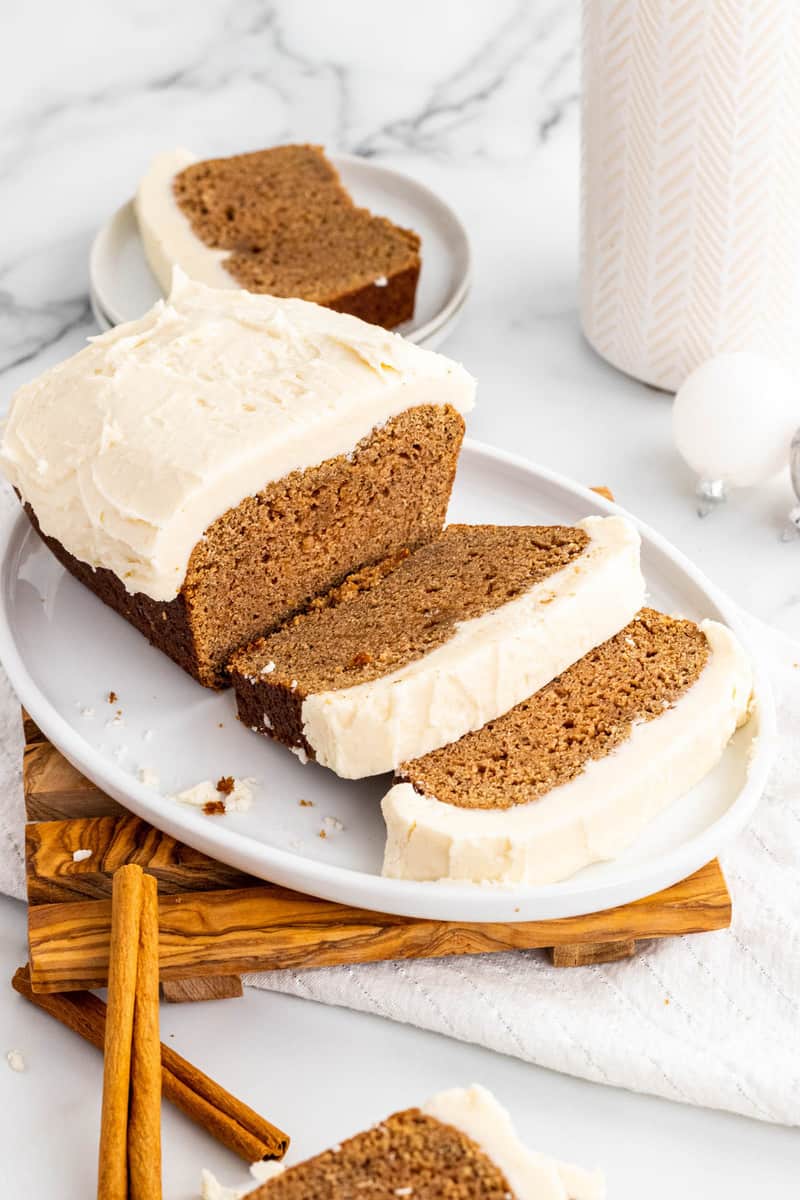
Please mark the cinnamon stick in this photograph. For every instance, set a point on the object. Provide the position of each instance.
(227, 1119)
(144, 1126)
(126, 908)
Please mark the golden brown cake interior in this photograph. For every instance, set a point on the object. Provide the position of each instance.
(409, 1154)
(264, 560)
(293, 230)
(385, 617)
(581, 715)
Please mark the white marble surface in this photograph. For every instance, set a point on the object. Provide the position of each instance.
(479, 100)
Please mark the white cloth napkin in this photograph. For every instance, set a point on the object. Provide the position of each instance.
(710, 1019)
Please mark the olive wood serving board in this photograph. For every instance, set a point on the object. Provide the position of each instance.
(217, 923)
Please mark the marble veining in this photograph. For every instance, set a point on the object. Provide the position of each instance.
(478, 100)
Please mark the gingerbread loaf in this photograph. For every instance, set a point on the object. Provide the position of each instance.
(461, 1145)
(571, 775)
(209, 469)
(414, 653)
(277, 221)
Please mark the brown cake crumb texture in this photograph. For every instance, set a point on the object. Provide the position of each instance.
(408, 1154)
(581, 715)
(387, 616)
(293, 230)
(267, 559)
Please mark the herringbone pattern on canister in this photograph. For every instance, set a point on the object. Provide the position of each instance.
(691, 181)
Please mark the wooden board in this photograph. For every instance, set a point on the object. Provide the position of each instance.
(217, 922)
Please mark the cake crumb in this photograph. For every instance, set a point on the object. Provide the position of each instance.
(225, 784)
(362, 659)
(264, 1171)
(81, 855)
(148, 777)
(207, 796)
(112, 697)
(306, 803)
(332, 824)
(322, 833)
(16, 1060)
(212, 1189)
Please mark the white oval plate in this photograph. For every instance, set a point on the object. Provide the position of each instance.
(123, 286)
(64, 651)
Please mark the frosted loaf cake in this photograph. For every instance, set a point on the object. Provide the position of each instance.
(277, 221)
(574, 773)
(409, 656)
(461, 1145)
(211, 467)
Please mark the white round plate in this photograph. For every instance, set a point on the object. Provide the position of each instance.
(65, 651)
(123, 286)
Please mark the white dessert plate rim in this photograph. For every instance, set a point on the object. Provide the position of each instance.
(108, 305)
(359, 888)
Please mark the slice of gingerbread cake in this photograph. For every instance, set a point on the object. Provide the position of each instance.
(209, 469)
(572, 775)
(414, 653)
(277, 221)
(461, 1145)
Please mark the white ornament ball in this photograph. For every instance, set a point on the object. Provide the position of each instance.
(734, 417)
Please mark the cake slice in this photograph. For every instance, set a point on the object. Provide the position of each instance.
(277, 221)
(571, 775)
(411, 655)
(461, 1145)
(210, 468)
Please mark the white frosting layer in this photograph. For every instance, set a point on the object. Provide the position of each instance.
(489, 664)
(167, 235)
(593, 817)
(128, 451)
(531, 1176)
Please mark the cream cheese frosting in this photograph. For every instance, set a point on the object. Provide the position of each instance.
(166, 231)
(531, 1176)
(129, 450)
(593, 817)
(488, 665)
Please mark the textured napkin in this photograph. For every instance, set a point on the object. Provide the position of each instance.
(710, 1019)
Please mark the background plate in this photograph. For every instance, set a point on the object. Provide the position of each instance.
(64, 651)
(123, 287)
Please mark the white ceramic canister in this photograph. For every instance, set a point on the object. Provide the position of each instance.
(691, 182)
